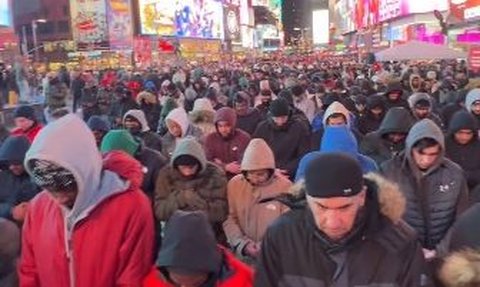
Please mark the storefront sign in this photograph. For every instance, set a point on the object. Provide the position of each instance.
(465, 9)
(474, 58)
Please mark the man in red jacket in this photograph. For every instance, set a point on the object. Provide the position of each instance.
(26, 123)
(92, 225)
(190, 257)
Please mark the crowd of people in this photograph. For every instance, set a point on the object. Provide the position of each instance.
(286, 172)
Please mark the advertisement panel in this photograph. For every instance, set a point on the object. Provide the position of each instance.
(389, 9)
(474, 58)
(89, 23)
(120, 25)
(465, 9)
(232, 24)
(320, 23)
(5, 13)
(182, 18)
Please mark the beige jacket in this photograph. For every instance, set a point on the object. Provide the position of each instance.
(248, 219)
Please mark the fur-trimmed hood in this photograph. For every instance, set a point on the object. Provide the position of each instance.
(461, 269)
(391, 201)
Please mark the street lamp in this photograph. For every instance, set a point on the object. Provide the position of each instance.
(34, 32)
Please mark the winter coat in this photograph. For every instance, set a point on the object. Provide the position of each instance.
(56, 96)
(334, 108)
(413, 100)
(119, 108)
(31, 133)
(234, 274)
(206, 191)
(149, 138)
(63, 253)
(289, 142)
(401, 102)
(369, 122)
(14, 189)
(181, 252)
(435, 197)
(9, 251)
(169, 142)
(472, 96)
(461, 267)
(295, 253)
(307, 106)
(341, 139)
(467, 156)
(250, 121)
(249, 217)
(202, 116)
(229, 149)
(376, 144)
(152, 113)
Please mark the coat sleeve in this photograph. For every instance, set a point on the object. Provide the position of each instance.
(415, 271)
(135, 254)
(235, 235)
(6, 210)
(268, 271)
(28, 270)
(463, 202)
(165, 201)
(209, 148)
(217, 200)
(304, 146)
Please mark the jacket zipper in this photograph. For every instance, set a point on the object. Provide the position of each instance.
(69, 250)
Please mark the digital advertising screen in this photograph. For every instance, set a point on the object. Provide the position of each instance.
(465, 9)
(89, 21)
(5, 13)
(182, 18)
(321, 24)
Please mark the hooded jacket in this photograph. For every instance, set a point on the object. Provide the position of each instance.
(249, 217)
(9, 250)
(376, 144)
(169, 142)
(341, 139)
(334, 108)
(228, 149)
(288, 143)
(412, 88)
(14, 189)
(202, 116)
(190, 245)
(295, 253)
(467, 156)
(415, 98)
(435, 197)
(472, 96)
(369, 122)
(31, 133)
(61, 253)
(400, 102)
(206, 191)
(149, 104)
(461, 268)
(151, 139)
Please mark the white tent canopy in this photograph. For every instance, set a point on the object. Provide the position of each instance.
(416, 50)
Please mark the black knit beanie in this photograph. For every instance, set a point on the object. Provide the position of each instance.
(333, 175)
(25, 112)
(186, 160)
(279, 108)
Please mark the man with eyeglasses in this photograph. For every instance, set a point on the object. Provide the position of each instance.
(435, 188)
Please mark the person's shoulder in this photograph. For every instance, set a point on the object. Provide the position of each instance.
(241, 134)
(289, 223)
(397, 237)
(211, 169)
(453, 168)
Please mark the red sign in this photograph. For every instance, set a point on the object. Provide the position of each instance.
(474, 58)
(465, 9)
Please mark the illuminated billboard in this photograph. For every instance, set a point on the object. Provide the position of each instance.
(5, 16)
(182, 18)
(465, 9)
(89, 22)
(320, 29)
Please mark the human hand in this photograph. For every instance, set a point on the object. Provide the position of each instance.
(252, 249)
(19, 211)
(233, 167)
(191, 200)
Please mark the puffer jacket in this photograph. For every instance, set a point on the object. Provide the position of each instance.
(370, 122)
(207, 191)
(149, 138)
(295, 253)
(377, 146)
(249, 217)
(435, 197)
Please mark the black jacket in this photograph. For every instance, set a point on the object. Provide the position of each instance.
(381, 250)
(467, 156)
(288, 143)
(369, 122)
(250, 121)
(14, 189)
(434, 197)
(401, 102)
(152, 161)
(377, 146)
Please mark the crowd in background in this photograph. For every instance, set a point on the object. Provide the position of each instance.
(198, 175)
